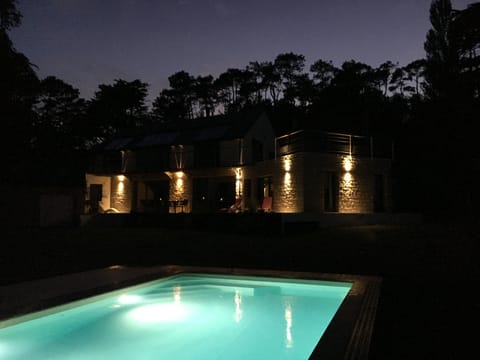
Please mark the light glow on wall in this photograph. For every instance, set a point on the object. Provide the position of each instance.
(179, 181)
(179, 191)
(288, 181)
(348, 163)
(178, 154)
(287, 166)
(348, 192)
(238, 183)
(120, 188)
(120, 185)
(288, 202)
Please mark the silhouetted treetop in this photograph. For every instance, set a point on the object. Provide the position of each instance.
(441, 53)
(9, 15)
(119, 107)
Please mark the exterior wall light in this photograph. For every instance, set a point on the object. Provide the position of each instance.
(288, 181)
(347, 163)
(179, 182)
(238, 182)
(120, 185)
(287, 202)
(347, 177)
(238, 173)
(348, 197)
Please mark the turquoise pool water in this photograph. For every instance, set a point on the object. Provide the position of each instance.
(186, 316)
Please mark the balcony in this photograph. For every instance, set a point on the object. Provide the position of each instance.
(333, 143)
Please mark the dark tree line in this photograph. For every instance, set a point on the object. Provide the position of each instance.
(284, 82)
(440, 159)
(429, 106)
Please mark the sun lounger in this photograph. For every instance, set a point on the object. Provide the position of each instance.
(266, 204)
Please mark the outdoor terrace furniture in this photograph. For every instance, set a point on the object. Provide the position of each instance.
(235, 207)
(266, 204)
(182, 204)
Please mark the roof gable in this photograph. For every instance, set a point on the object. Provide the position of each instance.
(215, 128)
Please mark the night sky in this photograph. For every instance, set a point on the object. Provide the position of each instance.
(90, 42)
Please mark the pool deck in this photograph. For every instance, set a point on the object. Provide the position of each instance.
(347, 337)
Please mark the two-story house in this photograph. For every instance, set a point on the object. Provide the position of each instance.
(200, 166)
(210, 164)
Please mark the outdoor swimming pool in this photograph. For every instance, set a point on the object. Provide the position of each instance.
(186, 316)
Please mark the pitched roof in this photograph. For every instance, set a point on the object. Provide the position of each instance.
(119, 144)
(215, 128)
(157, 139)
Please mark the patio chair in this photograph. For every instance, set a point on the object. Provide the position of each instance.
(236, 207)
(266, 204)
(183, 205)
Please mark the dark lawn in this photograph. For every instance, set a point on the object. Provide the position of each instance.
(430, 273)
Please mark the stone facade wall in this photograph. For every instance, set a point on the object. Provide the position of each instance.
(298, 183)
(356, 188)
(180, 189)
(288, 186)
(301, 188)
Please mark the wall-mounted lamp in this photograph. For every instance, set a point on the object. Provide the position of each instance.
(179, 182)
(120, 185)
(238, 182)
(348, 163)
